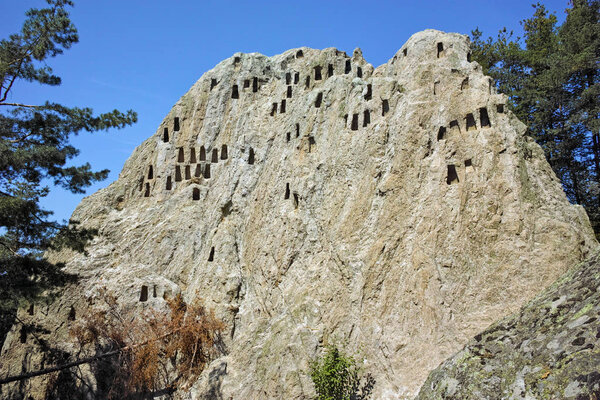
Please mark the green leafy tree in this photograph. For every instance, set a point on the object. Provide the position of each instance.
(552, 78)
(337, 377)
(34, 153)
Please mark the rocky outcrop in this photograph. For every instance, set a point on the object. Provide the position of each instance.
(310, 198)
(548, 350)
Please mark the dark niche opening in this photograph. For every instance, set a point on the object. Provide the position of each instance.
(153, 290)
(469, 57)
(464, 84)
(150, 172)
(470, 122)
(468, 163)
(246, 83)
(484, 118)
(177, 173)
(500, 108)
(319, 100)
(318, 73)
(211, 255)
(296, 200)
(180, 156)
(289, 92)
(440, 49)
(30, 309)
(405, 52)
(165, 135)
(273, 109)
(297, 130)
(369, 93)
(213, 83)
(287, 137)
(330, 70)
(385, 107)
(23, 335)
(215, 156)
(354, 124)
(144, 293)
(188, 173)
(198, 171)
(251, 156)
(307, 82)
(435, 87)
(147, 192)
(366, 118)
(452, 175)
(441, 133)
(348, 67)
(299, 54)
(192, 155)
(255, 84)
(454, 125)
(71, 316)
(224, 152)
(236, 60)
(169, 184)
(359, 72)
(234, 92)
(196, 194)
(345, 120)
(282, 108)
(207, 171)
(202, 153)
(288, 78)
(296, 78)
(311, 143)
(287, 191)
(176, 124)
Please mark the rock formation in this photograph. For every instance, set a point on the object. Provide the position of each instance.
(545, 351)
(311, 199)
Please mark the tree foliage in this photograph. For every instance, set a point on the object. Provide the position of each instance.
(552, 78)
(337, 377)
(35, 153)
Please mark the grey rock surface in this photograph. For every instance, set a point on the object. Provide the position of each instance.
(547, 350)
(311, 199)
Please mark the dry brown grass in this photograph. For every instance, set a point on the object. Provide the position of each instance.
(158, 350)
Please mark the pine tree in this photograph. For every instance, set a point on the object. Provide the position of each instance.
(35, 149)
(551, 76)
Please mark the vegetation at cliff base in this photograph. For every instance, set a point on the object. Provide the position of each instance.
(337, 376)
(35, 154)
(552, 78)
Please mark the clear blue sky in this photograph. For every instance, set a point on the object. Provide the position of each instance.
(145, 54)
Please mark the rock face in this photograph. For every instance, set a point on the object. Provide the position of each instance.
(310, 199)
(548, 350)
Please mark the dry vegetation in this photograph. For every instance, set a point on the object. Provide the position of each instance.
(158, 351)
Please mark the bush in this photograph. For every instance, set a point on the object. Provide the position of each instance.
(337, 377)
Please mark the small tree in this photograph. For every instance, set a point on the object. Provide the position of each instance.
(337, 377)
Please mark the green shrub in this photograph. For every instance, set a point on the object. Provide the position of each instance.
(337, 377)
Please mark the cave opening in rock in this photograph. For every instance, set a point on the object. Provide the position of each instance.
(354, 124)
(213, 83)
(177, 173)
(318, 73)
(366, 118)
(144, 293)
(255, 84)
(215, 156)
(484, 118)
(169, 184)
(470, 122)
(385, 107)
(273, 109)
(251, 156)
(188, 174)
(180, 155)
(282, 107)
(440, 49)
(192, 155)
(330, 70)
(287, 191)
(176, 124)
(296, 78)
(224, 154)
(452, 176)
(348, 68)
(165, 135)
(234, 92)
(207, 171)
(441, 133)
(288, 78)
(147, 192)
(319, 99)
(150, 172)
(369, 93)
(359, 72)
(299, 54)
(289, 92)
(196, 194)
(211, 255)
(202, 154)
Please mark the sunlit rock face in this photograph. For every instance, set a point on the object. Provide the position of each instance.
(312, 199)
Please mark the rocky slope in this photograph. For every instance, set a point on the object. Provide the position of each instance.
(310, 198)
(545, 351)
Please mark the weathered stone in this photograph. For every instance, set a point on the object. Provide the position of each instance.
(546, 352)
(397, 210)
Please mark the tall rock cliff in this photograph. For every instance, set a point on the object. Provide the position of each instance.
(310, 199)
